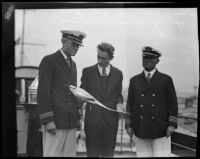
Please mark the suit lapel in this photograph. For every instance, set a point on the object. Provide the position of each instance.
(63, 64)
(97, 75)
(62, 61)
(111, 80)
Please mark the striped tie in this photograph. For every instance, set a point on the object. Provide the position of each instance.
(104, 74)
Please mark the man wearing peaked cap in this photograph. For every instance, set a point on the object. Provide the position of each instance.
(152, 99)
(57, 107)
(75, 36)
(150, 51)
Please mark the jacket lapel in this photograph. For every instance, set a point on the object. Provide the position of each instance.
(96, 77)
(111, 80)
(62, 61)
(63, 64)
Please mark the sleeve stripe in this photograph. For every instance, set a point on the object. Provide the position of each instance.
(47, 114)
(172, 119)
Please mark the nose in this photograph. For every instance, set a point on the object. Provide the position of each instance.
(76, 48)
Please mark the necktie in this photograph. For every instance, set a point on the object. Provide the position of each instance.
(68, 60)
(104, 74)
(148, 77)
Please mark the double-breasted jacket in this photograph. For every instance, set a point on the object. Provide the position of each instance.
(154, 105)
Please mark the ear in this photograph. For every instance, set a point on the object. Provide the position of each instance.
(63, 40)
(111, 58)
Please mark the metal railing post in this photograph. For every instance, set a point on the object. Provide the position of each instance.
(122, 129)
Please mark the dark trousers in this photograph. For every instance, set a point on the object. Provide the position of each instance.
(100, 140)
(34, 140)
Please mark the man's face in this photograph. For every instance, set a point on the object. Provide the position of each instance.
(149, 62)
(103, 58)
(70, 48)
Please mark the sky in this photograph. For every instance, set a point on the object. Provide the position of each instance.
(172, 31)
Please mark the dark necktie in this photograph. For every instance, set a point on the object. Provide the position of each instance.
(104, 74)
(68, 60)
(148, 77)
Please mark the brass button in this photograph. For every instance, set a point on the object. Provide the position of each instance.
(153, 94)
(141, 117)
(142, 95)
(152, 117)
(153, 105)
(141, 105)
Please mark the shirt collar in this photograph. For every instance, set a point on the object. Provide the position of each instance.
(107, 69)
(65, 56)
(151, 72)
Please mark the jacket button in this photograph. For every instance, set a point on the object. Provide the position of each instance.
(153, 94)
(141, 105)
(142, 95)
(69, 93)
(153, 105)
(70, 103)
(152, 117)
(141, 117)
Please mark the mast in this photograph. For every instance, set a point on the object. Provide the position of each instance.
(22, 45)
(22, 42)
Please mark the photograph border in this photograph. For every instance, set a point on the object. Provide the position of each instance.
(9, 128)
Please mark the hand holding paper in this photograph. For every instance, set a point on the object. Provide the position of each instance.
(84, 95)
(120, 108)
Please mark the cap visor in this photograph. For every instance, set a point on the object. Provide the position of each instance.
(147, 55)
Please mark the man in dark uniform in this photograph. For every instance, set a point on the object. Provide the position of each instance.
(153, 101)
(58, 108)
(104, 82)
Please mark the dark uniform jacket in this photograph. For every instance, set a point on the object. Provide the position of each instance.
(91, 83)
(154, 105)
(55, 102)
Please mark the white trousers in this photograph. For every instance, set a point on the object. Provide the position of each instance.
(63, 144)
(160, 147)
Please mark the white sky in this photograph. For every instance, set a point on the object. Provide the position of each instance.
(173, 31)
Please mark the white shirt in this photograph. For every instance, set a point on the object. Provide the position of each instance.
(65, 56)
(152, 72)
(107, 69)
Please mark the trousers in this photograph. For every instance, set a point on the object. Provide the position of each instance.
(159, 147)
(63, 144)
(100, 140)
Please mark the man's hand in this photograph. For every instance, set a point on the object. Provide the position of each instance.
(51, 128)
(79, 125)
(170, 130)
(81, 101)
(120, 108)
(130, 132)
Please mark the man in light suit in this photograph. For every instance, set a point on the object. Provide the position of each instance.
(153, 101)
(104, 82)
(57, 107)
